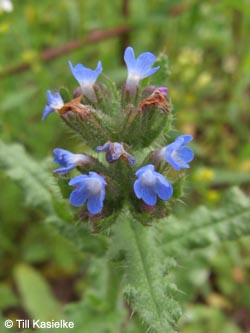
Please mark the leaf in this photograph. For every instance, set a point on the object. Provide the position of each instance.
(36, 294)
(102, 308)
(204, 226)
(79, 235)
(146, 285)
(29, 175)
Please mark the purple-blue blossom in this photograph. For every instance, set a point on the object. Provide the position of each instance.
(177, 154)
(86, 77)
(138, 68)
(54, 103)
(114, 151)
(89, 189)
(68, 160)
(151, 184)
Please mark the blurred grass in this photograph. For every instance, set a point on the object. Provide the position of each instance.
(208, 48)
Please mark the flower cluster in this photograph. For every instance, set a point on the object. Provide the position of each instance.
(116, 123)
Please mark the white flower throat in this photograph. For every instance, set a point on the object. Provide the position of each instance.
(148, 178)
(94, 186)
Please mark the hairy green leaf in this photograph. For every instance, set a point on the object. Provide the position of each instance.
(29, 175)
(145, 285)
(204, 226)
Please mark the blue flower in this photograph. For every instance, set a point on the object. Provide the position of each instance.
(69, 160)
(177, 154)
(86, 77)
(151, 184)
(139, 68)
(89, 189)
(115, 151)
(55, 103)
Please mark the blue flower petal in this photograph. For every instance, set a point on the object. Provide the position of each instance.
(151, 184)
(105, 147)
(164, 190)
(78, 180)
(54, 99)
(139, 68)
(145, 60)
(69, 160)
(129, 58)
(47, 110)
(174, 162)
(186, 138)
(115, 151)
(55, 103)
(145, 193)
(89, 189)
(138, 189)
(148, 196)
(93, 174)
(84, 75)
(143, 169)
(131, 159)
(95, 204)
(177, 154)
(65, 169)
(186, 154)
(62, 156)
(144, 63)
(77, 198)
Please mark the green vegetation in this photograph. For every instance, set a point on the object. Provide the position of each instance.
(188, 272)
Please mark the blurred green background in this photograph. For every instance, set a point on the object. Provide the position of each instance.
(207, 44)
